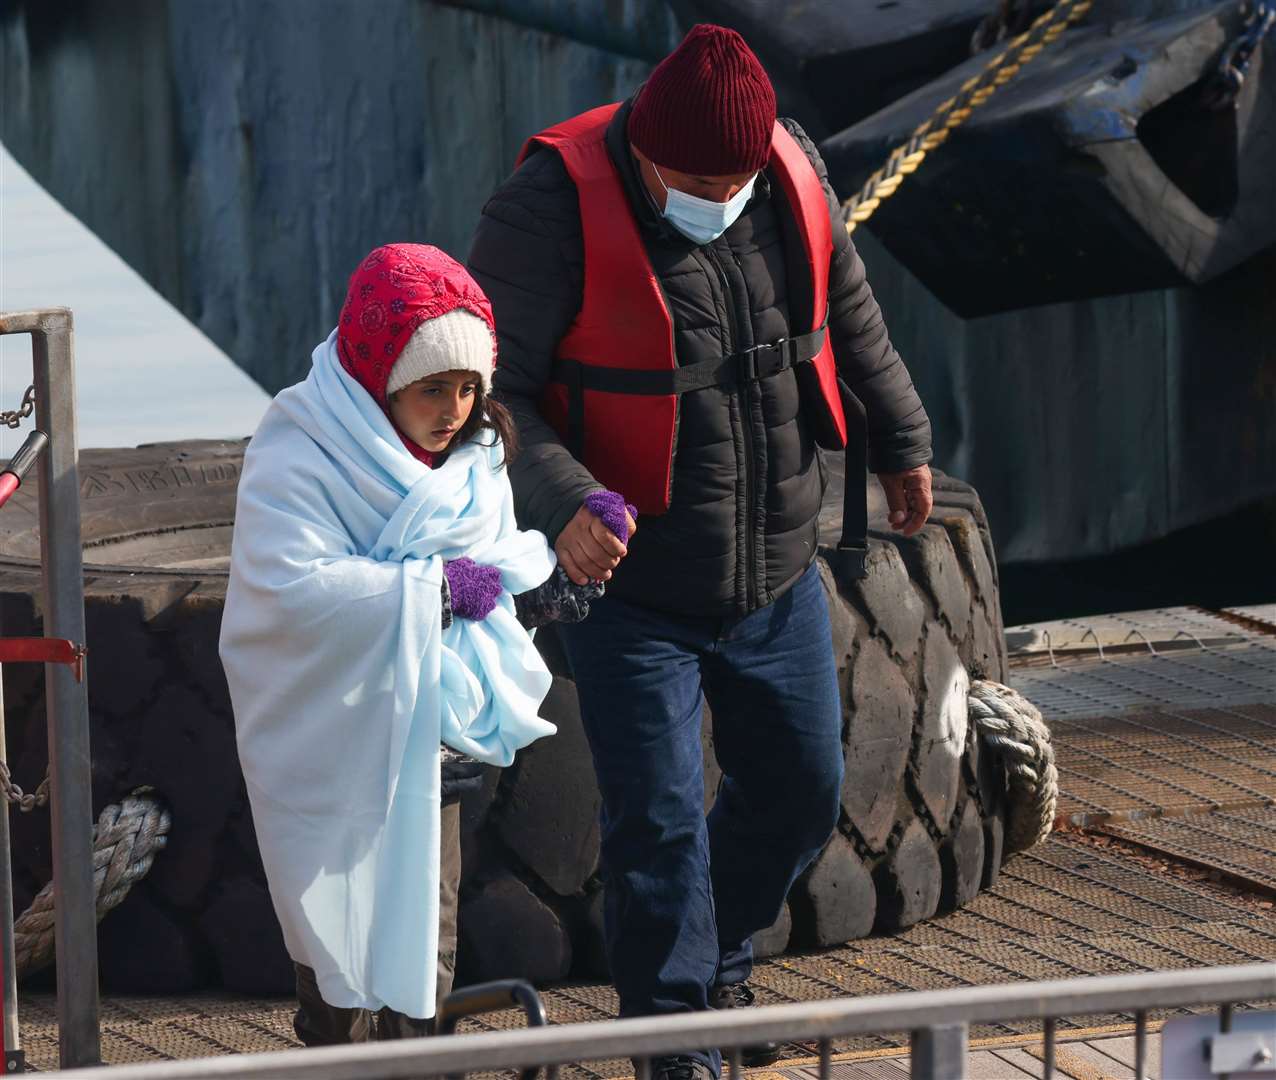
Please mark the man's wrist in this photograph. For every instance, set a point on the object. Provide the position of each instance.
(890, 464)
(569, 508)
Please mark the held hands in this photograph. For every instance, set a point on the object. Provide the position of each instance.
(592, 544)
(589, 548)
(909, 498)
(472, 590)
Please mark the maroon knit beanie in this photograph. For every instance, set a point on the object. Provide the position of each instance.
(708, 108)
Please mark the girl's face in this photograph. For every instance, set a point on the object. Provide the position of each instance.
(432, 411)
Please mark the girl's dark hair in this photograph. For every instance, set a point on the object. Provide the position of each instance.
(489, 414)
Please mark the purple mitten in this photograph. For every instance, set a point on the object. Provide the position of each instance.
(474, 588)
(610, 508)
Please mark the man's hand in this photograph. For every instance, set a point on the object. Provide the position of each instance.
(909, 498)
(588, 550)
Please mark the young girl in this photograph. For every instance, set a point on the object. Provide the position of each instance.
(370, 617)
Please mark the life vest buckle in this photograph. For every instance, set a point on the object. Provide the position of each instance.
(763, 361)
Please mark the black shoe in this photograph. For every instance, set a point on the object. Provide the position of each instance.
(739, 996)
(678, 1068)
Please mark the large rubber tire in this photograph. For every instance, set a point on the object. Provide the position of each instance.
(916, 814)
(156, 524)
(921, 822)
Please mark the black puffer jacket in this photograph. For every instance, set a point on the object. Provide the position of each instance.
(748, 478)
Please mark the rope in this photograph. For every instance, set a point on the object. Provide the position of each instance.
(1012, 725)
(125, 841)
(951, 114)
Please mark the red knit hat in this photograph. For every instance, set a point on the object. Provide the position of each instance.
(393, 291)
(708, 108)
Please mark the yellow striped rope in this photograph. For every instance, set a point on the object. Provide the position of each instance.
(951, 114)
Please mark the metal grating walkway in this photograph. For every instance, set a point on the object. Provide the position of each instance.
(1240, 843)
(1175, 657)
(1155, 713)
(1161, 628)
(1068, 908)
(1155, 761)
(1242, 673)
(1264, 613)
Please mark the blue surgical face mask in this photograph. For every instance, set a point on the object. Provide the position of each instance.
(703, 220)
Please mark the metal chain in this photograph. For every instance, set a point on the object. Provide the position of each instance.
(13, 417)
(14, 794)
(954, 112)
(1009, 19)
(1234, 63)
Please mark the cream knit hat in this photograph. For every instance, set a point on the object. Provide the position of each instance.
(457, 341)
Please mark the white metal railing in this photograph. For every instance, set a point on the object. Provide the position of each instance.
(939, 1021)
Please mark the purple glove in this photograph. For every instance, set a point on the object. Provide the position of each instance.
(473, 589)
(610, 508)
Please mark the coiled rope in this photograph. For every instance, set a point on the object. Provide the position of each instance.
(1011, 725)
(125, 841)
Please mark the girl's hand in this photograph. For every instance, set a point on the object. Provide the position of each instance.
(473, 588)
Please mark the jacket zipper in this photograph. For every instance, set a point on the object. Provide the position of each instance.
(746, 419)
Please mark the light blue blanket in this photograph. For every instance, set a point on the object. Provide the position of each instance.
(343, 682)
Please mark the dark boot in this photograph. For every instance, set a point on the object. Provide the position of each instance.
(319, 1024)
(739, 996)
(678, 1068)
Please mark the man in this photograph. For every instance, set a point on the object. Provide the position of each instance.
(675, 298)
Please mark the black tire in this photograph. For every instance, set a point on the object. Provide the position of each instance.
(156, 529)
(157, 524)
(909, 637)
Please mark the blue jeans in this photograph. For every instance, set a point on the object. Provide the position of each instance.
(684, 895)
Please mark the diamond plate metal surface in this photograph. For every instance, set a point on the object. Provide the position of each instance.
(1135, 630)
(1240, 843)
(1156, 761)
(1240, 673)
(1265, 613)
(1179, 657)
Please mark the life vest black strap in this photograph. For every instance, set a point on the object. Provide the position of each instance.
(760, 362)
(571, 377)
(852, 547)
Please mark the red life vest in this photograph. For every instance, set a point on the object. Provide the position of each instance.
(614, 389)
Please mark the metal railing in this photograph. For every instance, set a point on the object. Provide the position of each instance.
(75, 922)
(939, 1021)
